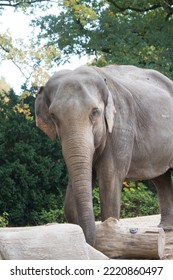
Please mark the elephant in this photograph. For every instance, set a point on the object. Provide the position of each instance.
(115, 122)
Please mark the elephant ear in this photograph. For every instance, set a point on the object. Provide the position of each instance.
(109, 108)
(43, 118)
(110, 112)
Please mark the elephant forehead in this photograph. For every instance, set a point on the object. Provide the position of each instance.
(74, 100)
(69, 110)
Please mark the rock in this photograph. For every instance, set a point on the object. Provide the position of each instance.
(48, 242)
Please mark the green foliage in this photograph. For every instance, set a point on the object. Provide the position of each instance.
(96, 204)
(32, 171)
(138, 200)
(121, 32)
(51, 216)
(4, 219)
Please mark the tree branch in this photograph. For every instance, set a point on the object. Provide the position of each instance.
(15, 63)
(122, 9)
(18, 3)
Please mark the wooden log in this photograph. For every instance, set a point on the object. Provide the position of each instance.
(150, 221)
(128, 242)
(168, 252)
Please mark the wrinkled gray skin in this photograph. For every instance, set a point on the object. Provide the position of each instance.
(115, 122)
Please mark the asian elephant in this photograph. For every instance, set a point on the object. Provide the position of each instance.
(117, 122)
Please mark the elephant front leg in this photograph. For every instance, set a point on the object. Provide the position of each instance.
(164, 186)
(110, 195)
(112, 168)
(70, 210)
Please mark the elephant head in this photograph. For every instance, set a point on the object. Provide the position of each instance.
(77, 107)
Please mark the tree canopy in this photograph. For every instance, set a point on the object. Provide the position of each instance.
(111, 31)
(114, 31)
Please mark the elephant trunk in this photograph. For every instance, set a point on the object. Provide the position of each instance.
(78, 154)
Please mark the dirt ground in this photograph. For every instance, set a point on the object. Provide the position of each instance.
(143, 221)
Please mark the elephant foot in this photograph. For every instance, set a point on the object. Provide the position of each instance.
(166, 226)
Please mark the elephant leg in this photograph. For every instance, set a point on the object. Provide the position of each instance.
(70, 210)
(111, 172)
(164, 186)
(110, 195)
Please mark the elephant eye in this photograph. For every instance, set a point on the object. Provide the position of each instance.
(94, 113)
(52, 116)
